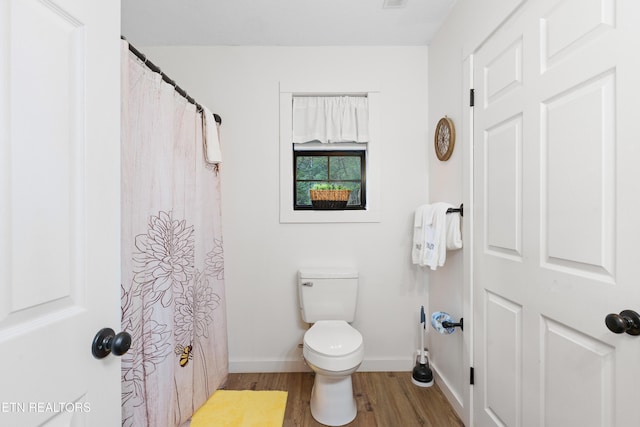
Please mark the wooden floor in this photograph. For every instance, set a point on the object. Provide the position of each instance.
(384, 399)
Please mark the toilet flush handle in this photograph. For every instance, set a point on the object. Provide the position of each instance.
(307, 284)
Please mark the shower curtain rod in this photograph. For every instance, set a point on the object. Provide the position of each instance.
(153, 67)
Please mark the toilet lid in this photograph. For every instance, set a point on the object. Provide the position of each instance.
(333, 338)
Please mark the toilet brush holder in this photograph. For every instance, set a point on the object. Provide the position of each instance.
(422, 376)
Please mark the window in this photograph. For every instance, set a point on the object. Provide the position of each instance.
(346, 168)
(369, 152)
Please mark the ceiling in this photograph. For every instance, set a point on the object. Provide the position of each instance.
(282, 22)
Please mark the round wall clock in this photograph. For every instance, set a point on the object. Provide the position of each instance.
(445, 138)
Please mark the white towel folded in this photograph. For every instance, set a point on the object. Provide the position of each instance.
(454, 237)
(422, 219)
(434, 232)
(213, 153)
(436, 253)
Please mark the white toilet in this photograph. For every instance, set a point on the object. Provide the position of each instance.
(332, 347)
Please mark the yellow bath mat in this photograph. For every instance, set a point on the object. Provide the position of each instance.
(242, 408)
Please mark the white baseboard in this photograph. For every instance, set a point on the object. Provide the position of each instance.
(368, 365)
(250, 366)
(454, 398)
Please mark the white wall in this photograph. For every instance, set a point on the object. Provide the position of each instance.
(466, 27)
(262, 256)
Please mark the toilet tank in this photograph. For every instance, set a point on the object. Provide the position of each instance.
(327, 294)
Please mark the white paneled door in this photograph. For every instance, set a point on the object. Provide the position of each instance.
(556, 201)
(59, 211)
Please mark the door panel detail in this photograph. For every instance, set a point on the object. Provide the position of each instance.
(503, 168)
(562, 34)
(591, 365)
(578, 164)
(503, 73)
(503, 346)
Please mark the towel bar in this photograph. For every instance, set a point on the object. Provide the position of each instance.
(460, 209)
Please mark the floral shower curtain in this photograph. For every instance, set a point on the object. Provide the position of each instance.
(173, 299)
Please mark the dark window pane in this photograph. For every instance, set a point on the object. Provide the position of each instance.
(344, 167)
(303, 198)
(312, 167)
(354, 197)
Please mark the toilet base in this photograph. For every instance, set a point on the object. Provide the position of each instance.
(332, 401)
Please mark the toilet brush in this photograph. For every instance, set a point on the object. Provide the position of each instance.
(422, 375)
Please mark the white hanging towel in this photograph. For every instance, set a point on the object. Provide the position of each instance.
(212, 151)
(434, 232)
(422, 219)
(454, 237)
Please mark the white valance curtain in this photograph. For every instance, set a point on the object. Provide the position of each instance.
(330, 119)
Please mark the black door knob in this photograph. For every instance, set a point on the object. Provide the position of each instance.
(107, 341)
(627, 321)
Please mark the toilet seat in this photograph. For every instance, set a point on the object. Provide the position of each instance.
(333, 338)
(333, 345)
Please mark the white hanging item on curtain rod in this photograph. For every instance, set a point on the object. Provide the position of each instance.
(212, 151)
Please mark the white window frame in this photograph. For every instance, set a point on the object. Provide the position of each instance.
(372, 211)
